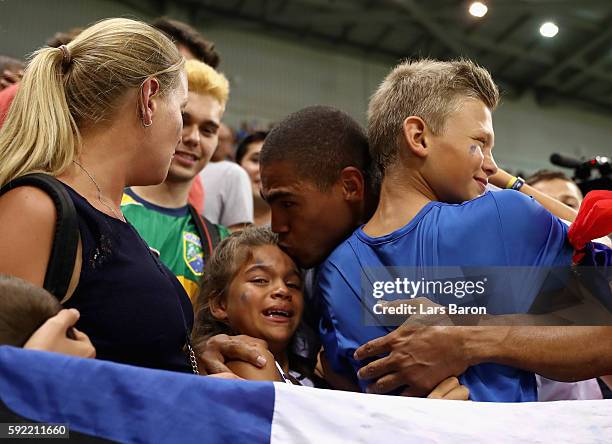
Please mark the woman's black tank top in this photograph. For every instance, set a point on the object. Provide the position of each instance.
(132, 307)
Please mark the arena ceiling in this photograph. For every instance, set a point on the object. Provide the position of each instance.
(575, 65)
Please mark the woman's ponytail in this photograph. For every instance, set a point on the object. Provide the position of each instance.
(39, 133)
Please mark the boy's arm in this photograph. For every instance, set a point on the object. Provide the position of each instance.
(559, 209)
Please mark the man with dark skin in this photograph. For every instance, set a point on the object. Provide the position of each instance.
(326, 217)
(312, 218)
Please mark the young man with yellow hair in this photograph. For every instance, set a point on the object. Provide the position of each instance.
(161, 214)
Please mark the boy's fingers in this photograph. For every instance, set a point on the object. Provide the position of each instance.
(69, 316)
(80, 336)
(450, 388)
(81, 349)
(443, 388)
(65, 319)
(460, 393)
(88, 350)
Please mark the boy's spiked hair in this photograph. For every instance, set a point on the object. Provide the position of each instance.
(429, 89)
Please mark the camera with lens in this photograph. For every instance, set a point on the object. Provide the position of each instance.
(589, 174)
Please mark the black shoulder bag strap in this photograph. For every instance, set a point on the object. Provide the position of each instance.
(66, 238)
(208, 232)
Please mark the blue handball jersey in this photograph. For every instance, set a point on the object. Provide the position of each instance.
(501, 229)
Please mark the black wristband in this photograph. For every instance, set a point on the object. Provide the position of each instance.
(518, 183)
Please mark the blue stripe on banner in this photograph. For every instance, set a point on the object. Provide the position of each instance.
(132, 404)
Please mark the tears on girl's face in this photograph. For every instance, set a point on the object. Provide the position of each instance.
(265, 299)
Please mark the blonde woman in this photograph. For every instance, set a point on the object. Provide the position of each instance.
(100, 114)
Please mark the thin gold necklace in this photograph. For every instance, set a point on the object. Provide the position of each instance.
(112, 210)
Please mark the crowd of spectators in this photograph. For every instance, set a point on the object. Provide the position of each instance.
(247, 254)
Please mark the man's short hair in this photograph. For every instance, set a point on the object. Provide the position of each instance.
(429, 89)
(183, 34)
(320, 141)
(546, 175)
(203, 79)
(24, 307)
(243, 146)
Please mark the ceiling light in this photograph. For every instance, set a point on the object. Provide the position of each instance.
(478, 9)
(549, 29)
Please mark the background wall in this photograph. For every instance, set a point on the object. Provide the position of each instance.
(271, 77)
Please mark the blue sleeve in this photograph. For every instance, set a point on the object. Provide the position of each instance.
(342, 327)
(505, 229)
(531, 235)
(338, 349)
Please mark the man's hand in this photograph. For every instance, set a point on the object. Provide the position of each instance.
(52, 336)
(214, 352)
(418, 357)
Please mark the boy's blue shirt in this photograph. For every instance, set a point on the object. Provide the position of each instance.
(501, 229)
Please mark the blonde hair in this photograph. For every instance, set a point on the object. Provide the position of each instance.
(429, 89)
(203, 79)
(67, 89)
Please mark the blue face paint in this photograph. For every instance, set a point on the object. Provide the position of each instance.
(244, 297)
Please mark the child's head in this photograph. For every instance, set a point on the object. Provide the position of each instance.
(433, 119)
(23, 309)
(251, 287)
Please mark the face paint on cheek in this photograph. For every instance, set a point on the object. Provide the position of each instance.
(245, 297)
